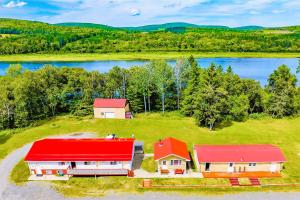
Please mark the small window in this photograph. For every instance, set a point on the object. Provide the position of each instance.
(61, 163)
(164, 162)
(252, 164)
(230, 164)
(87, 163)
(113, 163)
(102, 113)
(175, 162)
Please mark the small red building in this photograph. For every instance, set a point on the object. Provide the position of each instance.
(171, 156)
(98, 156)
(112, 108)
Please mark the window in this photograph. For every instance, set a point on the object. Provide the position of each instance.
(113, 163)
(61, 163)
(164, 162)
(252, 164)
(175, 162)
(87, 163)
(230, 164)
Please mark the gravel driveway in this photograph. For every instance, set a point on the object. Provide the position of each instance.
(44, 191)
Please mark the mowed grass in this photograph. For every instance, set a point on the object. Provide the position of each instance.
(149, 164)
(20, 173)
(150, 128)
(140, 56)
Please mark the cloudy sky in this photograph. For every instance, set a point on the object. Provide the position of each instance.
(140, 12)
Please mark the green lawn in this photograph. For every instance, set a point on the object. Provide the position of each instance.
(139, 56)
(20, 173)
(150, 128)
(149, 164)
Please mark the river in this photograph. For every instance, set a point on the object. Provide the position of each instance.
(254, 68)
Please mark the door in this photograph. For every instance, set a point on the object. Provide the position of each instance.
(109, 115)
(230, 167)
(73, 165)
(38, 171)
(207, 167)
(164, 164)
(273, 167)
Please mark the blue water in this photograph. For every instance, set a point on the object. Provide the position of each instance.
(254, 68)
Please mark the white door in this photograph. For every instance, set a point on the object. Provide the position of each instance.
(273, 167)
(164, 164)
(230, 167)
(38, 171)
(109, 115)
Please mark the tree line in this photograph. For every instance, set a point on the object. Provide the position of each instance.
(211, 95)
(36, 37)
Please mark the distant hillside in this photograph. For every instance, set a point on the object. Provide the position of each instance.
(249, 28)
(171, 27)
(21, 37)
(87, 25)
(163, 27)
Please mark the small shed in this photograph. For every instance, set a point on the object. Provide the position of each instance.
(112, 108)
(171, 156)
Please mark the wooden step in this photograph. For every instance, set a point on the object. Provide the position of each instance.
(234, 181)
(254, 181)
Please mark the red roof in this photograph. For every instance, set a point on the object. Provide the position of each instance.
(171, 146)
(81, 150)
(239, 153)
(110, 103)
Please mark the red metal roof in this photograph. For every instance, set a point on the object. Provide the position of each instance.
(239, 153)
(98, 149)
(109, 103)
(171, 146)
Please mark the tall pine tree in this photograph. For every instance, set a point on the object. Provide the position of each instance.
(189, 99)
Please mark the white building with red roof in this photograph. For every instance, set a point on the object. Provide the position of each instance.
(99, 156)
(171, 156)
(238, 158)
(112, 108)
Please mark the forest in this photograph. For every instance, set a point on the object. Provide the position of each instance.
(213, 95)
(24, 37)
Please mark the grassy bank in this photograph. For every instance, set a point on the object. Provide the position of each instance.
(150, 128)
(138, 56)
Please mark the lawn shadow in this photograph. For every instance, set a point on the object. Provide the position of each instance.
(5, 137)
(224, 124)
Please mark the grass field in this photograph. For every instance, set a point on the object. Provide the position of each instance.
(150, 128)
(139, 56)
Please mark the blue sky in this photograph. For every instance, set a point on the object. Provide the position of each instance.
(140, 12)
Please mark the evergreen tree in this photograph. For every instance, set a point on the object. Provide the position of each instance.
(189, 99)
(282, 89)
(211, 98)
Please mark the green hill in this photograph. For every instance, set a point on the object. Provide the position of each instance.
(87, 25)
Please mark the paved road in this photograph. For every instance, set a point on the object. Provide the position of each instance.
(44, 191)
(8, 164)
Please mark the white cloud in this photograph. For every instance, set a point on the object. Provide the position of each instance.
(135, 12)
(14, 4)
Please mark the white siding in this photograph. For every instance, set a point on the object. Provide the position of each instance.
(48, 165)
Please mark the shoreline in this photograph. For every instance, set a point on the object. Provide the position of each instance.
(70, 57)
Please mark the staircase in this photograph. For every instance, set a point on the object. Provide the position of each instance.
(254, 181)
(234, 181)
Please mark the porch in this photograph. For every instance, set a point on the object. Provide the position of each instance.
(92, 172)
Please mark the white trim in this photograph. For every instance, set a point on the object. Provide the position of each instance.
(172, 155)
